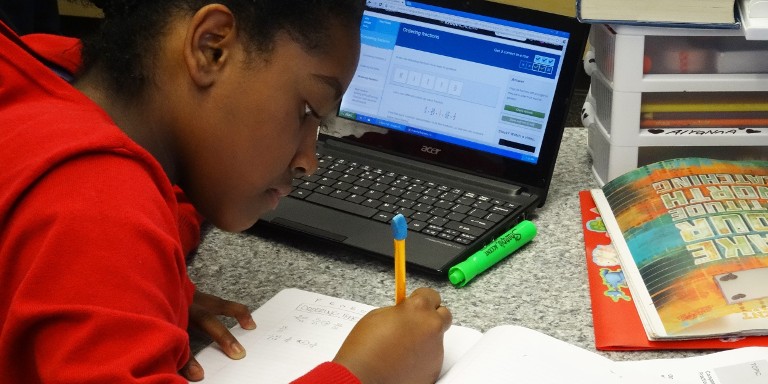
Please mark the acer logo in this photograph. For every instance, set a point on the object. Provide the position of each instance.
(430, 150)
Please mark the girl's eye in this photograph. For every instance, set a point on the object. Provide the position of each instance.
(308, 111)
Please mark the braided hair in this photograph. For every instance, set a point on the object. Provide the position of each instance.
(127, 39)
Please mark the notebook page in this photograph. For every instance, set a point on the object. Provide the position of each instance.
(297, 330)
(512, 354)
(747, 365)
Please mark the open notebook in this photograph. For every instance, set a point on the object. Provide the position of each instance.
(454, 118)
(299, 329)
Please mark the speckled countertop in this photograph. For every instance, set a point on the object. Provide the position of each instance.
(543, 286)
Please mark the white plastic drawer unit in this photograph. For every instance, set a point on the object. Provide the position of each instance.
(653, 59)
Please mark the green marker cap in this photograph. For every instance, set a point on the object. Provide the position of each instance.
(460, 274)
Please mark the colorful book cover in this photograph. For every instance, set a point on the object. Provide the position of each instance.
(617, 325)
(692, 237)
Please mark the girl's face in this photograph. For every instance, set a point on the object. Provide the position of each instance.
(255, 129)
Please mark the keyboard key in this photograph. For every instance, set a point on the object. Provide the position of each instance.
(339, 194)
(324, 190)
(384, 217)
(342, 185)
(422, 207)
(357, 190)
(373, 203)
(479, 213)
(410, 195)
(430, 232)
(390, 199)
(339, 167)
(449, 196)
(455, 216)
(356, 199)
(379, 187)
(416, 189)
(354, 171)
(308, 185)
(495, 217)
(373, 194)
(416, 225)
(421, 216)
(347, 178)
(439, 212)
(501, 210)
(462, 239)
(365, 183)
(342, 205)
(427, 200)
(405, 211)
(327, 181)
(440, 221)
(446, 236)
(484, 205)
(459, 208)
(300, 193)
(399, 183)
(386, 207)
(477, 222)
(331, 174)
(464, 200)
(464, 228)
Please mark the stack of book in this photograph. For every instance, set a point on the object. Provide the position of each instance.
(685, 13)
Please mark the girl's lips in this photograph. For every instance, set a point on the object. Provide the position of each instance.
(276, 194)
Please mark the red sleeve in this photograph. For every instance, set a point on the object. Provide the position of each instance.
(328, 373)
(95, 266)
(190, 221)
(62, 51)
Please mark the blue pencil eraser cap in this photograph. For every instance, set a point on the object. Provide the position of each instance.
(399, 227)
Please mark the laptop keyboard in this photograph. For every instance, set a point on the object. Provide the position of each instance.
(433, 209)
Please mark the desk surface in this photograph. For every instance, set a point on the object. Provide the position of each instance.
(543, 286)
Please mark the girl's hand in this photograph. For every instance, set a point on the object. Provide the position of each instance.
(203, 314)
(399, 344)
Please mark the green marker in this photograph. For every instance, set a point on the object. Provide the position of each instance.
(461, 273)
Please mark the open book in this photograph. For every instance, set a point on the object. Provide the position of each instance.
(616, 322)
(298, 330)
(692, 240)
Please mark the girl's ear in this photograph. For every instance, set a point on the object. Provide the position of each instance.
(209, 42)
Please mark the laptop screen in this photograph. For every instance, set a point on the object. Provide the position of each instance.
(456, 77)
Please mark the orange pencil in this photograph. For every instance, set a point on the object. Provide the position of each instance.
(399, 231)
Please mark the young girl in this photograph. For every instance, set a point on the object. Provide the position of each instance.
(220, 100)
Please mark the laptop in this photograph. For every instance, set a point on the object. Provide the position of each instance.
(454, 118)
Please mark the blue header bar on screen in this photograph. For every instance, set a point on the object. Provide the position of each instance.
(479, 51)
(427, 7)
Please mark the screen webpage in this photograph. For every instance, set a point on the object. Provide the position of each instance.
(465, 79)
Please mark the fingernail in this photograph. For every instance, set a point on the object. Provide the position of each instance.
(237, 352)
(251, 324)
(196, 371)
